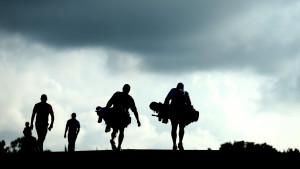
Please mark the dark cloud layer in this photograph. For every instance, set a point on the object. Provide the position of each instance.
(167, 34)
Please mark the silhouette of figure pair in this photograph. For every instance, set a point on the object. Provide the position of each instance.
(41, 111)
(117, 116)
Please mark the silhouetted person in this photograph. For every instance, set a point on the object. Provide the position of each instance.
(27, 130)
(42, 110)
(180, 100)
(120, 118)
(28, 142)
(73, 126)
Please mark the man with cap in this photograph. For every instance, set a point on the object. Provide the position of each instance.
(73, 126)
(179, 101)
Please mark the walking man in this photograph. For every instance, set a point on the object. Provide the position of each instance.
(180, 101)
(73, 126)
(42, 110)
(120, 117)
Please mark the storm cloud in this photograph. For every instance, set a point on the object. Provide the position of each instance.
(166, 35)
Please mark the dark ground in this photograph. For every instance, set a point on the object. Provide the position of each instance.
(149, 159)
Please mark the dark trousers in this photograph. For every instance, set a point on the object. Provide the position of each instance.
(41, 133)
(71, 140)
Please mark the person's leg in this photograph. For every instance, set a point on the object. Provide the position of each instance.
(174, 134)
(71, 139)
(121, 137)
(113, 136)
(181, 135)
(75, 137)
(69, 143)
(41, 132)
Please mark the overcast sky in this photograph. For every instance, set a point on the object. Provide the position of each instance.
(239, 60)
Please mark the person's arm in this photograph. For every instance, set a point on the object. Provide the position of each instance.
(52, 118)
(32, 116)
(169, 97)
(110, 101)
(66, 129)
(187, 99)
(78, 128)
(135, 112)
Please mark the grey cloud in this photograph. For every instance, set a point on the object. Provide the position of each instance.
(105, 22)
(168, 35)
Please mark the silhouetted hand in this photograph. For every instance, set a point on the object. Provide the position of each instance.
(31, 126)
(139, 123)
(65, 136)
(50, 127)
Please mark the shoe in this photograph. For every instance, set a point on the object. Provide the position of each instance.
(174, 147)
(119, 149)
(107, 129)
(180, 146)
(113, 145)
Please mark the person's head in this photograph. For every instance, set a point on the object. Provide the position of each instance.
(44, 98)
(180, 86)
(73, 115)
(126, 88)
(27, 124)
